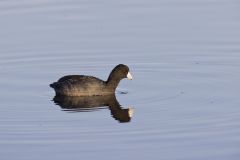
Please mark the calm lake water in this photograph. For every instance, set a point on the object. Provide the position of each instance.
(184, 57)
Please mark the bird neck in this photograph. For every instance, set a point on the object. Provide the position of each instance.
(112, 82)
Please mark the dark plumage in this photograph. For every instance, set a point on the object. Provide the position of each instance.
(81, 85)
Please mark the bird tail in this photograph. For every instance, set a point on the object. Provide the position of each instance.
(53, 85)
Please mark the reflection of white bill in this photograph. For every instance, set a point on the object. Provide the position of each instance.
(130, 112)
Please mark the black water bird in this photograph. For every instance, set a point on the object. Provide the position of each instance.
(82, 85)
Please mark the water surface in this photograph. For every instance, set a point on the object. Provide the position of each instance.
(185, 59)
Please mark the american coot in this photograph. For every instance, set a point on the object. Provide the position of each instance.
(81, 85)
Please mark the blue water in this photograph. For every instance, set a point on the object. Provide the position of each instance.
(184, 57)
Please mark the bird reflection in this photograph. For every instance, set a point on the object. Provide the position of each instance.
(91, 103)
